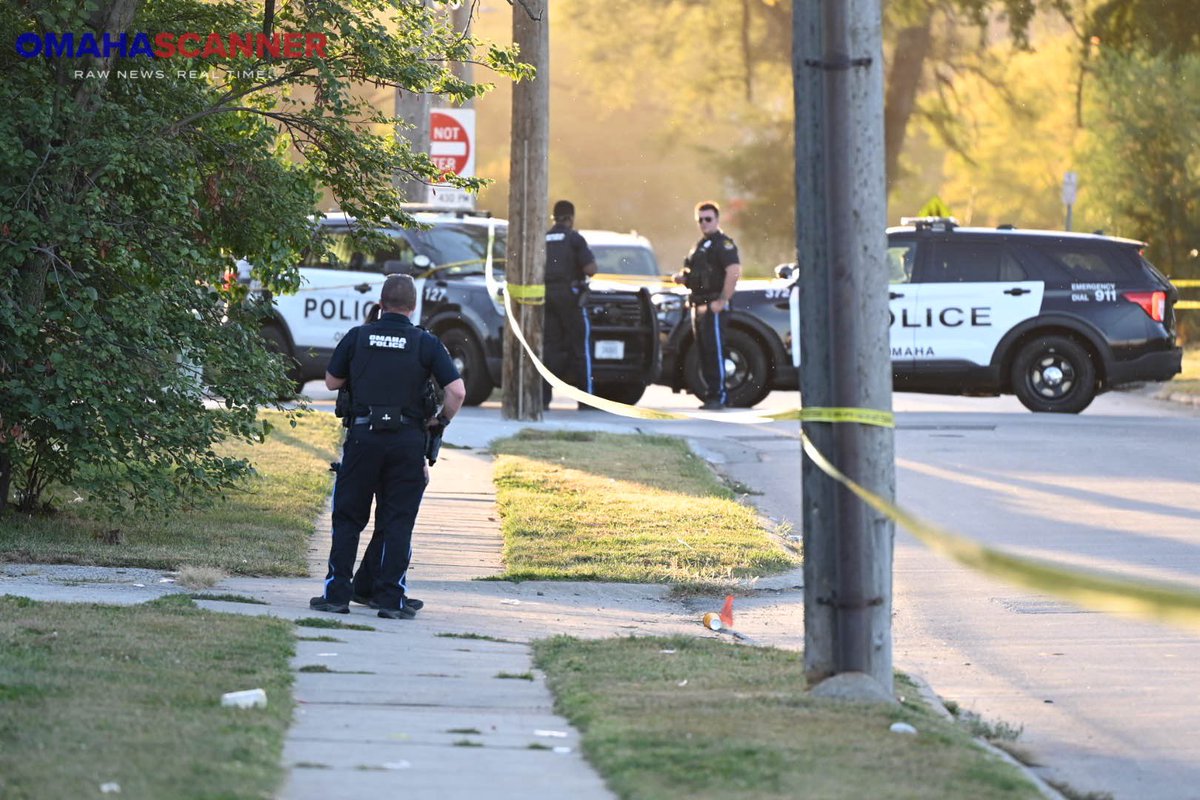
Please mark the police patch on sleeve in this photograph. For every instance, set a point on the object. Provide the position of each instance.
(729, 245)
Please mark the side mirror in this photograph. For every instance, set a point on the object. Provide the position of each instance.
(785, 271)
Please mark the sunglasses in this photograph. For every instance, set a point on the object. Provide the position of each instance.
(706, 219)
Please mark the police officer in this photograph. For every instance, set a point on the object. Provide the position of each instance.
(387, 363)
(566, 335)
(711, 272)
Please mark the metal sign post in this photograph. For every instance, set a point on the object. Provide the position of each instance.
(1070, 188)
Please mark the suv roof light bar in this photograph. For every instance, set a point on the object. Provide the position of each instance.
(930, 223)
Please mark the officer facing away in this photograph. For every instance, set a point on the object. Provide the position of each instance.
(711, 272)
(387, 362)
(567, 334)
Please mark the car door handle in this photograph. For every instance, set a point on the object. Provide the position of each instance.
(1017, 292)
(363, 287)
(894, 295)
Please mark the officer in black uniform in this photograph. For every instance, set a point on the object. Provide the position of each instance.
(711, 272)
(566, 335)
(387, 363)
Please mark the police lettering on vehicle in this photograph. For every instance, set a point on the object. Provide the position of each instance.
(350, 310)
(386, 342)
(979, 317)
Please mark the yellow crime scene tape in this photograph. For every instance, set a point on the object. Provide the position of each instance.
(1179, 605)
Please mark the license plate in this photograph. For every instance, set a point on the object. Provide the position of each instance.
(610, 350)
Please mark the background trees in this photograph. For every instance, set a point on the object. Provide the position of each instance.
(124, 200)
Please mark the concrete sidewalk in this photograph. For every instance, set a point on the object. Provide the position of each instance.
(413, 709)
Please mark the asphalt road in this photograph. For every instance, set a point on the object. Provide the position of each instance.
(1106, 704)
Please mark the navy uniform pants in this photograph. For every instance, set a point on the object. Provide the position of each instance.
(565, 339)
(388, 467)
(708, 328)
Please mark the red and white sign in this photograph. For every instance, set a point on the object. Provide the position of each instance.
(452, 140)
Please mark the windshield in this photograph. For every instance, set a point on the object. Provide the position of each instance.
(625, 260)
(459, 249)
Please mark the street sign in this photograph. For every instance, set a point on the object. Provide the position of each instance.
(1070, 188)
(452, 148)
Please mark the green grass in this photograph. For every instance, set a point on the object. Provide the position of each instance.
(595, 506)
(260, 529)
(1188, 381)
(743, 726)
(231, 598)
(132, 695)
(322, 622)
(483, 637)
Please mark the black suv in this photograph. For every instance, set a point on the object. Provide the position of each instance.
(447, 259)
(1049, 316)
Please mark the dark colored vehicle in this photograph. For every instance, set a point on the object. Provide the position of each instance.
(448, 260)
(1052, 317)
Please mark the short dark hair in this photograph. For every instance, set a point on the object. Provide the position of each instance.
(708, 205)
(564, 209)
(399, 293)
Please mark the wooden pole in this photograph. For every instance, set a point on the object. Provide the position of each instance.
(528, 190)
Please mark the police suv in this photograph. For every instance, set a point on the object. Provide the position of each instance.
(447, 259)
(1049, 316)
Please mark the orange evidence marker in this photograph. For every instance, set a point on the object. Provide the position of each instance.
(727, 612)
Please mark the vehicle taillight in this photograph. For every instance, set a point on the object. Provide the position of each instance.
(1153, 303)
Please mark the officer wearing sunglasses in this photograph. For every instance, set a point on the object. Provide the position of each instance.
(711, 273)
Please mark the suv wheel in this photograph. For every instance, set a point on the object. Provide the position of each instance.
(627, 393)
(1054, 374)
(468, 358)
(746, 372)
(276, 341)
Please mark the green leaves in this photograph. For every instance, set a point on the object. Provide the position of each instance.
(124, 201)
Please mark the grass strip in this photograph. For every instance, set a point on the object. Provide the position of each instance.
(718, 720)
(260, 529)
(578, 505)
(1188, 381)
(131, 695)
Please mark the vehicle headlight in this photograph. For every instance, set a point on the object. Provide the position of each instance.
(668, 307)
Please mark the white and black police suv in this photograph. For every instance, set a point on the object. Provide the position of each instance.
(447, 258)
(1052, 317)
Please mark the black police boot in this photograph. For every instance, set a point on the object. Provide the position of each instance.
(712, 405)
(321, 604)
(397, 613)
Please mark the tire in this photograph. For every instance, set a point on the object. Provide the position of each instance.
(468, 357)
(627, 393)
(1054, 374)
(746, 371)
(276, 341)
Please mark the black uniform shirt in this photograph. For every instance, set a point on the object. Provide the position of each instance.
(567, 253)
(388, 362)
(714, 253)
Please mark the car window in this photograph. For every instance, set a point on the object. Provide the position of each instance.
(458, 249)
(967, 261)
(900, 261)
(625, 260)
(347, 254)
(1086, 263)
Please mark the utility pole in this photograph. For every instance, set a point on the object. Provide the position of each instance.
(528, 188)
(413, 109)
(841, 215)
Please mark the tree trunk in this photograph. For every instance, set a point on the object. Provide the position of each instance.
(528, 187)
(903, 81)
(5, 480)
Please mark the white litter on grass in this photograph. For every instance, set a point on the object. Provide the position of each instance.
(250, 698)
(667, 652)
(682, 682)
(140, 585)
(110, 788)
(397, 765)
(510, 602)
(562, 749)
(166, 580)
(902, 727)
(551, 734)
